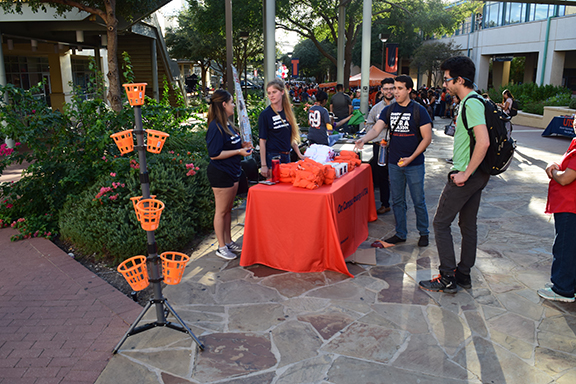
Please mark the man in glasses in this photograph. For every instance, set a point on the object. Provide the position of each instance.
(462, 192)
(380, 173)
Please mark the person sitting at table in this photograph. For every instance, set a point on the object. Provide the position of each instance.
(277, 127)
(225, 150)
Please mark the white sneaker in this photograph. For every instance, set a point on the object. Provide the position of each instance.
(550, 285)
(225, 253)
(549, 294)
(234, 247)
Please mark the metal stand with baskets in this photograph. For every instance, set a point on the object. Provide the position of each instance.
(139, 271)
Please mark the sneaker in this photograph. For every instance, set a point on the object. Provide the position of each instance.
(394, 240)
(450, 161)
(234, 247)
(423, 241)
(548, 294)
(463, 280)
(225, 253)
(382, 210)
(440, 283)
(550, 285)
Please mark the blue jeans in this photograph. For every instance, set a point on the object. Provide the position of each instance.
(284, 158)
(564, 251)
(413, 176)
(332, 139)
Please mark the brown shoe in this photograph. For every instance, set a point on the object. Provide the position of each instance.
(382, 210)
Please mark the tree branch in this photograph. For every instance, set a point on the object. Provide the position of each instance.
(82, 7)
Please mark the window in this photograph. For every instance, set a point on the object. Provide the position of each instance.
(515, 13)
(493, 14)
(27, 72)
(540, 11)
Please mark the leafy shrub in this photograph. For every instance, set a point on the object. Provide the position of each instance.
(532, 98)
(254, 107)
(572, 104)
(102, 220)
(66, 149)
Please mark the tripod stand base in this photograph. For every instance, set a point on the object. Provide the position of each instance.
(135, 329)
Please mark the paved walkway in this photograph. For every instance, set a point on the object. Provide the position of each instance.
(261, 325)
(58, 321)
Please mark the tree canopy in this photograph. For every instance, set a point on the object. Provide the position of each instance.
(201, 33)
(407, 21)
(429, 56)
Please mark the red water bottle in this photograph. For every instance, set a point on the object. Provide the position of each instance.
(275, 170)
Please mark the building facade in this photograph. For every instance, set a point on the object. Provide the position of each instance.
(544, 34)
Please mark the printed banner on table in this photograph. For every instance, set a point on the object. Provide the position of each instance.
(243, 121)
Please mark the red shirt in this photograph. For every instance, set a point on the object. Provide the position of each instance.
(563, 198)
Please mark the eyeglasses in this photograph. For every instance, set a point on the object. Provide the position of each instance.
(388, 89)
(450, 79)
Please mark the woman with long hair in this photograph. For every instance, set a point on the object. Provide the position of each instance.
(278, 129)
(225, 150)
(507, 100)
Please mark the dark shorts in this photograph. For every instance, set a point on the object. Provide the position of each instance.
(219, 178)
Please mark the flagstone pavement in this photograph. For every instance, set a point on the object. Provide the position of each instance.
(261, 325)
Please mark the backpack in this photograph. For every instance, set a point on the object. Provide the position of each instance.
(501, 151)
(514, 109)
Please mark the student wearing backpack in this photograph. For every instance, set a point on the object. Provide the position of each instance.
(462, 192)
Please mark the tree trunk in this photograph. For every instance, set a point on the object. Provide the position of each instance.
(114, 91)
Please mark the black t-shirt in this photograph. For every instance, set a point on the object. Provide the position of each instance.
(318, 117)
(218, 141)
(405, 138)
(340, 105)
(276, 130)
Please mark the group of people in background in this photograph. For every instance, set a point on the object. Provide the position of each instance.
(402, 119)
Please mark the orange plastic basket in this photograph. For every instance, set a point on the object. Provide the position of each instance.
(173, 264)
(135, 272)
(155, 141)
(149, 211)
(135, 93)
(135, 201)
(124, 141)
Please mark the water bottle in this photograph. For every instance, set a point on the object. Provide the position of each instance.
(382, 160)
(275, 170)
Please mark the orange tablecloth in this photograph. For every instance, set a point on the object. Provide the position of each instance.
(300, 230)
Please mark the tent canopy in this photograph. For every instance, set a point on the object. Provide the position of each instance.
(376, 76)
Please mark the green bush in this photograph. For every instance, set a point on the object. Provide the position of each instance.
(102, 221)
(71, 150)
(532, 98)
(254, 106)
(572, 104)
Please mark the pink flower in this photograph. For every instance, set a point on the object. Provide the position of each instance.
(9, 206)
(123, 185)
(18, 143)
(113, 197)
(112, 174)
(104, 158)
